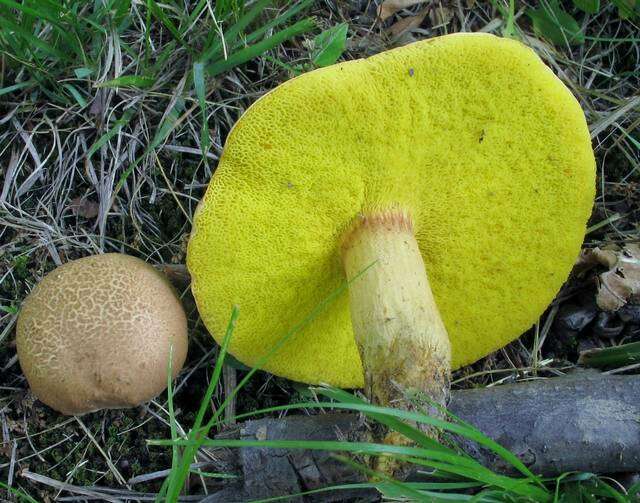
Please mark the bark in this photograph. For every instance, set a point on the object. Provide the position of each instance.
(583, 422)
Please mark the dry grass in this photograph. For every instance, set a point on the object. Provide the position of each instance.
(58, 203)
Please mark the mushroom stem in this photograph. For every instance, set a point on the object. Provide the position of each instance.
(402, 340)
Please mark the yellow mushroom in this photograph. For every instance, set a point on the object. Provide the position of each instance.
(96, 333)
(463, 156)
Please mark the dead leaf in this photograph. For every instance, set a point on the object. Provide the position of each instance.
(441, 16)
(407, 24)
(590, 258)
(621, 283)
(84, 207)
(389, 7)
(177, 274)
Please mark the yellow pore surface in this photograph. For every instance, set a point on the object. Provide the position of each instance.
(472, 135)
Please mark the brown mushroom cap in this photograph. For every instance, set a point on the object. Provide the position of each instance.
(96, 333)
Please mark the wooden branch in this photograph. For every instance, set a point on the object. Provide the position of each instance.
(583, 422)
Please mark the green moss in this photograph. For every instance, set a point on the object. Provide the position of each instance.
(20, 269)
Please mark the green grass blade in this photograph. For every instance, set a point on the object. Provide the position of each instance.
(159, 14)
(64, 31)
(401, 427)
(282, 18)
(175, 455)
(420, 486)
(172, 415)
(462, 428)
(40, 13)
(616, 356)
(32, 40)
(180, 473)
(329, 45)
(17, 87)
(139, 81)
(76, 94)
(214, 43)
(634, 490)
(217, 371)
(214, 475)
(168, 125)
(464, 431)
(400, 489)
(199, 84)
(252, 51)
(22, 496)
(444, 462)
(194, 15)
(119, 124)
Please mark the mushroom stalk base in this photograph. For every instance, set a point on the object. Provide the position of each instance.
(402, 340)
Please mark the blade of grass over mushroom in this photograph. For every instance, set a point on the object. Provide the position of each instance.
(397, 488)
(462, 428)
(198, 433)
(374, 410)
(418, 491)
(319, 309)
(180, 469)
(390, 422)
(172, 414)
(616, 356)
(453, 464)
(217, 371)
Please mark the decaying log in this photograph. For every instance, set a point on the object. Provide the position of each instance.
(582, 422)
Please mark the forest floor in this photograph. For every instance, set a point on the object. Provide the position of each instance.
(86, 169)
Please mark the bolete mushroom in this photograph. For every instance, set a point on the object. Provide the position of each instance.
(462, 156)
(96, 333)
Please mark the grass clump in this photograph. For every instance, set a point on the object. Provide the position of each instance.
(455, 475)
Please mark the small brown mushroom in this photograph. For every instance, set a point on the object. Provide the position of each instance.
(96, 333)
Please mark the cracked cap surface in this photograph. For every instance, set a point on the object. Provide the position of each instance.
(95, 333)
